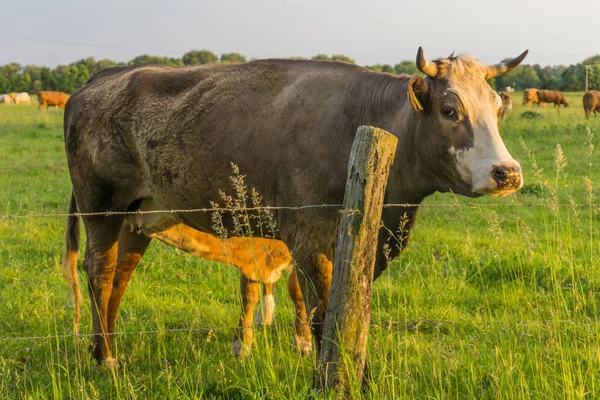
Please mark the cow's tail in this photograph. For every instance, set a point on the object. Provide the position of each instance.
(69, 262)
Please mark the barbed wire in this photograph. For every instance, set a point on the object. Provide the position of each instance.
(273, 208)
(385, 324)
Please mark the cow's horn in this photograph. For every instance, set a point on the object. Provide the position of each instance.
(426, 67)
(503, 68)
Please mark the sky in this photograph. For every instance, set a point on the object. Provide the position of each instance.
(56, 32)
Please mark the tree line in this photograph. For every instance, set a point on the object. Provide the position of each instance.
(68, 78)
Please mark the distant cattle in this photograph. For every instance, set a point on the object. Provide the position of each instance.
(551, 96)
(530, 97)
(5, 99)
(591, 103)
(509, 89)
(507, 104)
(20, 98)
(58, 99)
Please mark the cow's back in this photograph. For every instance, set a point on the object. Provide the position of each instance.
(172, 133)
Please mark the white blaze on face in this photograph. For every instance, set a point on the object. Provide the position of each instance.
(475, 164)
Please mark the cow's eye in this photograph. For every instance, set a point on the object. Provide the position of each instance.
(449, 113)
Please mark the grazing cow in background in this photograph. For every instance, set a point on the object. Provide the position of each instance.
(20, 98)
(509, 89)
(58, 99)
(168, 135)
(530, 97)
(551, 96)
(5, 98)
(591, 103)
(507, 104)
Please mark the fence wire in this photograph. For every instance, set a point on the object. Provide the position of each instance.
(305, 207)
(384, 324)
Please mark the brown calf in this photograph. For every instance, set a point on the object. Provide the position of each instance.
(530, 97)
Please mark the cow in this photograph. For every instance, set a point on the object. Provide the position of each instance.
(530, 97)
(551, 96)
(591, 103)
(20, 98)
(168, 135)
(57, 99)
(5, 99)
(507, 104)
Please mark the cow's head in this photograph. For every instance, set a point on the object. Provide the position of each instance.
(458, 128)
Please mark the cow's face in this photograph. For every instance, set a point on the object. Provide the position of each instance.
(459, 119)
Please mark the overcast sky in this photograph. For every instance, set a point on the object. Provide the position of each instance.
(370, 31)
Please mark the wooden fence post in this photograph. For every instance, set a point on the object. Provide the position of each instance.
(343, 350)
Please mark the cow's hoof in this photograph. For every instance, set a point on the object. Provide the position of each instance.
(303, 345)
(110, 364)
(240, 349)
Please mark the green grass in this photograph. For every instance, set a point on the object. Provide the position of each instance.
(516, 289)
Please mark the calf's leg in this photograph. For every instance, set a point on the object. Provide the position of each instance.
(302, 336)
(243, 335)
(266, 311)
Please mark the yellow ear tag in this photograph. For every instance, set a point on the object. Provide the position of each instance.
(416, 101)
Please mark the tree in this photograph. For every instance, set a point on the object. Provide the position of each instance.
(321, 57)
(592, 60)
(149, 59)
(343, 58)
(199, 57)
(406, 67)
(105, 63)
(573, 78)
(381, 68)
(228, 58)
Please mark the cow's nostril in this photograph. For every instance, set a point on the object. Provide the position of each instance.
(499, 173)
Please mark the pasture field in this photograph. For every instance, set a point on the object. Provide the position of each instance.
(494, 298)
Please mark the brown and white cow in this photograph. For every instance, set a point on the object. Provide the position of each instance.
(591, 103)
(57, 99)
(169, 135)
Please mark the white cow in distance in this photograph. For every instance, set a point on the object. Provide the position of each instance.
(20, 98)
(5, 99)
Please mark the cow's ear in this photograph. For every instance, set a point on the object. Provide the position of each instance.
(417, 92)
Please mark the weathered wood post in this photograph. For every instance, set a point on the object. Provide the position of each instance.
(343, 350)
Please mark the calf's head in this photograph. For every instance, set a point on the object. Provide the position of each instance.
(457, 126)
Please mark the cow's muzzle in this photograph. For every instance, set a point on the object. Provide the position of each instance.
(508, 177)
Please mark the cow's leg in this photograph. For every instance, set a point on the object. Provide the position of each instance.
(131, 250)
(302, 336)
(314, 275)
(244, 336)
(266, 311)
(100, 263)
